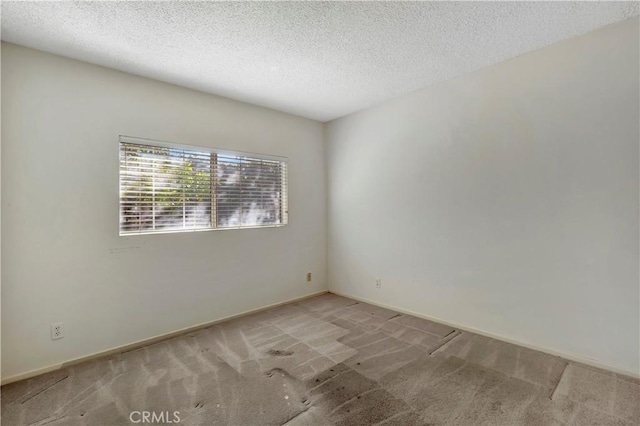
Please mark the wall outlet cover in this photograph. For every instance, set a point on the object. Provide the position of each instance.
(56, 331)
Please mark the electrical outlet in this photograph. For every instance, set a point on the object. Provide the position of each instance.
(309, 276)
(56, 331)
(378, 283)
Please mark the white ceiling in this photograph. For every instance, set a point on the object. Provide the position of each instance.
(320, 60)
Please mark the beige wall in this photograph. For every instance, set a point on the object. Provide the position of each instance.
(505, 200)
(63, 260)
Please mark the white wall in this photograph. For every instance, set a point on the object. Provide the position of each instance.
(63, 260)
(505, 200)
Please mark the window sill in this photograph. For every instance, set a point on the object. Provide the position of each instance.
(188, 231)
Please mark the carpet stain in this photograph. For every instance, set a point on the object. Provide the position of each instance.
(278, 352)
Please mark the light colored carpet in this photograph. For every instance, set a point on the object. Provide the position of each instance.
(327, 361)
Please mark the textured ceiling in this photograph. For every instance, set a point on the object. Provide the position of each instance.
(320, 60)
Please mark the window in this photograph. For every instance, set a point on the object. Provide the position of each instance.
(168, 188)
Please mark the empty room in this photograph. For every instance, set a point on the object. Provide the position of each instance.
(320, 213)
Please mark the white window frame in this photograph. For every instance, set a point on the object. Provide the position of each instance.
(217, 151)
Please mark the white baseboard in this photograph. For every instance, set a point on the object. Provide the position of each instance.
(147, 342)
(566, 355)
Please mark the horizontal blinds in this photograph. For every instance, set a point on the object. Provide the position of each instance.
(172, 189)
(249, 191)
(164, 189)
